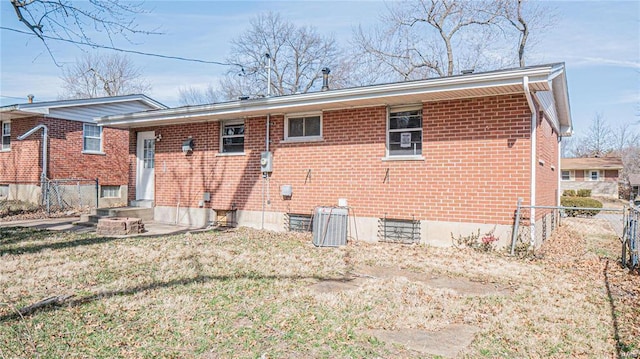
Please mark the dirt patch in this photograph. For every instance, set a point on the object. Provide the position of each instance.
(336, 286)
(447, 342)
(461, 286)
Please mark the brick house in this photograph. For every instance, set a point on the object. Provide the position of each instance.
(634, 183)
(448, 155)
(77, 148)
(601, 175)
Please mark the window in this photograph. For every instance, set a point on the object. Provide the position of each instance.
(405, 132)
(303, 127)
(6, 136)
(594, 175)
(232, 136)
(4, 191)
(566, 175)
(91, 138)
(110, 191)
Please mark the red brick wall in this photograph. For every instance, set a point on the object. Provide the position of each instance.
(476, 164)
(23, 163)
(66, 160)
(547, 170)
(611, 175)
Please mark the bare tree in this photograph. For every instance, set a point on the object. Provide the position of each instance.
(298, 54)
(102, 75)
(598, 142)
(194, 96)
(79, 22)
(526, 17)
(426, 38)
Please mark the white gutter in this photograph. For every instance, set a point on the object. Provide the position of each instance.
(559, 169)
(538, 75)
(534, 125)
(45, 136)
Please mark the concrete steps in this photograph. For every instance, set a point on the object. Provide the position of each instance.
(146, 214)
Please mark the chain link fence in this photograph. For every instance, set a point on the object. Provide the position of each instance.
(604, 223)
(53, 195)
(631, 240)
(70, 194)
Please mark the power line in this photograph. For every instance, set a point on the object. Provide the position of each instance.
(124, 50)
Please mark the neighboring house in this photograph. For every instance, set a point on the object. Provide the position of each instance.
(634, 183)
(77, 148)
(599, 174)
(444, 156)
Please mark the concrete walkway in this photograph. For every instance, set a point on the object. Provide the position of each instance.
(68, 224)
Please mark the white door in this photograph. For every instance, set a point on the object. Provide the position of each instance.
(145, 154)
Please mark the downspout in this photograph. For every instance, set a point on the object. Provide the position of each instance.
(534, 125)
(265, 175)
(559, 192)
(45, 136)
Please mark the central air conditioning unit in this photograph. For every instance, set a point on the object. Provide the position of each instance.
(330, 226)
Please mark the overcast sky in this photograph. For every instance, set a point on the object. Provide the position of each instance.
(598, 40)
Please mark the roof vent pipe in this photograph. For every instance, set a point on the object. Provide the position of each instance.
(325, 79)
(30, 98)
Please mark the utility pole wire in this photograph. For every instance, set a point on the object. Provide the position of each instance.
(124, 50)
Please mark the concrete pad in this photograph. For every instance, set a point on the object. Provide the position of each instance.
(446, 342)
(68, 224)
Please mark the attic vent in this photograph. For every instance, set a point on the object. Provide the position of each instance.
(467, 72)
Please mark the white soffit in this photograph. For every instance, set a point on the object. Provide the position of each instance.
(456, 87)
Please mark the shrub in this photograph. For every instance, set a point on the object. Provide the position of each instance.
(569, 193)
(483, 243)
(580, 202)
(584, 193)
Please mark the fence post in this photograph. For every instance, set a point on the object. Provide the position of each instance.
(516, 224)
(97, 192)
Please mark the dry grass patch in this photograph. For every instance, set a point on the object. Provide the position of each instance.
(246, 293)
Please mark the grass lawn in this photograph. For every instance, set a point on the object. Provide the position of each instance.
(252, 294)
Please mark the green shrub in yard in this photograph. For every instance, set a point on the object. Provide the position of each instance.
(569, 193)
(584, 193)
(580, 202)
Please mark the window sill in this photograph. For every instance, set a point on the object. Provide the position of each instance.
(302, 139)
(7, 150)
(230, 154)
(93, 153)
(403, 158)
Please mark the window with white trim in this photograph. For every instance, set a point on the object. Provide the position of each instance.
(307, 127)
(594, 175)
(232, 136)
(91, 138)
(110, 191)
(4, 191)
(404, 137)
(566, 175)
(6, 136)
